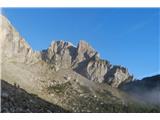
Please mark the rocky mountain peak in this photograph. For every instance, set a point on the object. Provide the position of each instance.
(13, 45)
(4, 21)
(84, 51)
(83, 46)
(60, 55)
(57, 46)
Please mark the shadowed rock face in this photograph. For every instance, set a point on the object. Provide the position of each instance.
(145, 90)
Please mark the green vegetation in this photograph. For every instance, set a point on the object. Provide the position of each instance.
(59, 88)
(100, 102)
(91, 104)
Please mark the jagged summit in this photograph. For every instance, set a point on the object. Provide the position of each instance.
(4, 20)
(14, 45)
(83, 59)
(83, 46)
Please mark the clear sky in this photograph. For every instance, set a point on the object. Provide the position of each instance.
(128, 37)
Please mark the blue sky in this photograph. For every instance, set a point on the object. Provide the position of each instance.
(129, 37)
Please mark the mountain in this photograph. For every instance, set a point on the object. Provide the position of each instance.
(13, 45)
(146, 90)
(74, 78)
(61, 55)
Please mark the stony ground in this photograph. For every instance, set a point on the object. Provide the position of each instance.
(15, 99)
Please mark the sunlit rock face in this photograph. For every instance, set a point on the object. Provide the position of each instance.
(60, 54)
(63, 54)
(117, 75)
(84, 52)
(13, 45)
(82, 59)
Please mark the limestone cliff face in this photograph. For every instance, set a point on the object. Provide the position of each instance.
(13, 45)
(83, 59)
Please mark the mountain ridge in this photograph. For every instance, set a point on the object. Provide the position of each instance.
(74, 78)
(63, 55)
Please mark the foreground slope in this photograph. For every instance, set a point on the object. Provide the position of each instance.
(15, 99)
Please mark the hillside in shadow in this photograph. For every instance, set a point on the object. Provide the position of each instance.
(147, 89)
(15, 99)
